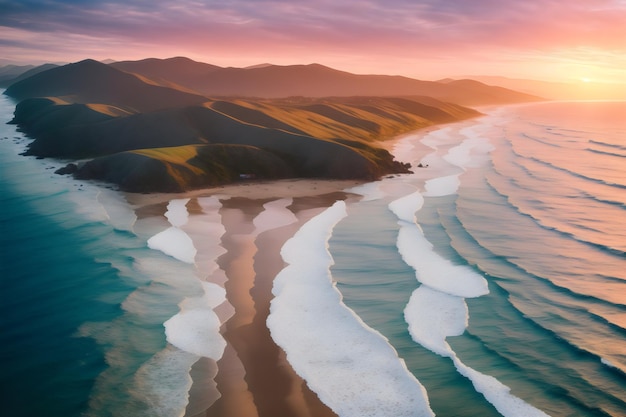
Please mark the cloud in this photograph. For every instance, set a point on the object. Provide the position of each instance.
(365, 30)
(440, 22)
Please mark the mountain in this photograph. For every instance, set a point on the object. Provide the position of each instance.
(313, 80)
(145, 137)
(179, 72)
(263, 65)
(90, 81)
(10, 72)
(25, 72)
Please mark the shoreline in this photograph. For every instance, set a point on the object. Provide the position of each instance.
(254, 190)
(253, 376)
(282, 188)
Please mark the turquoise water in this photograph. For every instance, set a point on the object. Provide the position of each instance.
(532, 201)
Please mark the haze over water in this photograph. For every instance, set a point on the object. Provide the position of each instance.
(510, 275)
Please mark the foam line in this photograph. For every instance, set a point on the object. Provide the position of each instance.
(437, 309)
(167, 374)
(353, 369)
(438, 138)
(432, 316)
(177, 213)
(431, 268)
(206, 231)
(174, 242)
(498, 394)
(370, 191)
(119, 214)
(472, 152)
(406, 207)
(441, 186)
(196, 328)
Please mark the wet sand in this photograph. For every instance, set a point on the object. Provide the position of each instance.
(253, 376)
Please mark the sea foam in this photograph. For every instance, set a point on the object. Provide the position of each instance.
(174, 241)
(196, 328)
(370, 191)
(206, 231)
(194, 331)
(405, 207)
(432, 316)
(498, 394)
(431, 268)
(437, 309)
(177, 213)
(472, 151)
(353, 369)
(167, 375)
(442, 186)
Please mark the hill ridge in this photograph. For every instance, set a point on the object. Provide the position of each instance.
(145, 137)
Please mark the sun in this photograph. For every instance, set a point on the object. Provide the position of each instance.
(585, 79)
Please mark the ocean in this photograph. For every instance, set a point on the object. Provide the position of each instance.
(490, 282)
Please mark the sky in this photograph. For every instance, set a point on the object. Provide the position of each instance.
(554, 40)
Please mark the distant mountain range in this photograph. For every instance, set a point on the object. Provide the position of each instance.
(10, 74)
(275, 81)
(314, 80)
(177, 124)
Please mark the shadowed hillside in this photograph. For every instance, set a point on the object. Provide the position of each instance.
(90, 81)
(144, 137)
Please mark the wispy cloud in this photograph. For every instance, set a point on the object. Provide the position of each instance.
(437, 29)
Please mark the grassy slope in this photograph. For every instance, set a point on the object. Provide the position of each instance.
(162, 139)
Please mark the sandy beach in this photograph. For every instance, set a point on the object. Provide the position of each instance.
(254, 190)
(253, 377)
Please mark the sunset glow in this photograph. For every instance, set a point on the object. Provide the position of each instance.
(426, 39)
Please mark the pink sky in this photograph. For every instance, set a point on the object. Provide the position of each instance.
(568, 40)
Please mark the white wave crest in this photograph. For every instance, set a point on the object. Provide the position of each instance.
(431, 268)
(437, 309)
(196, 328)
(441, 186)
(353, 369)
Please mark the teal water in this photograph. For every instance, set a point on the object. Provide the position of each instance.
(542, 221)
(68, 266)
(54, 277)
(537, 212)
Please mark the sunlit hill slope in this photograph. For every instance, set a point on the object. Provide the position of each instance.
(150, 132)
